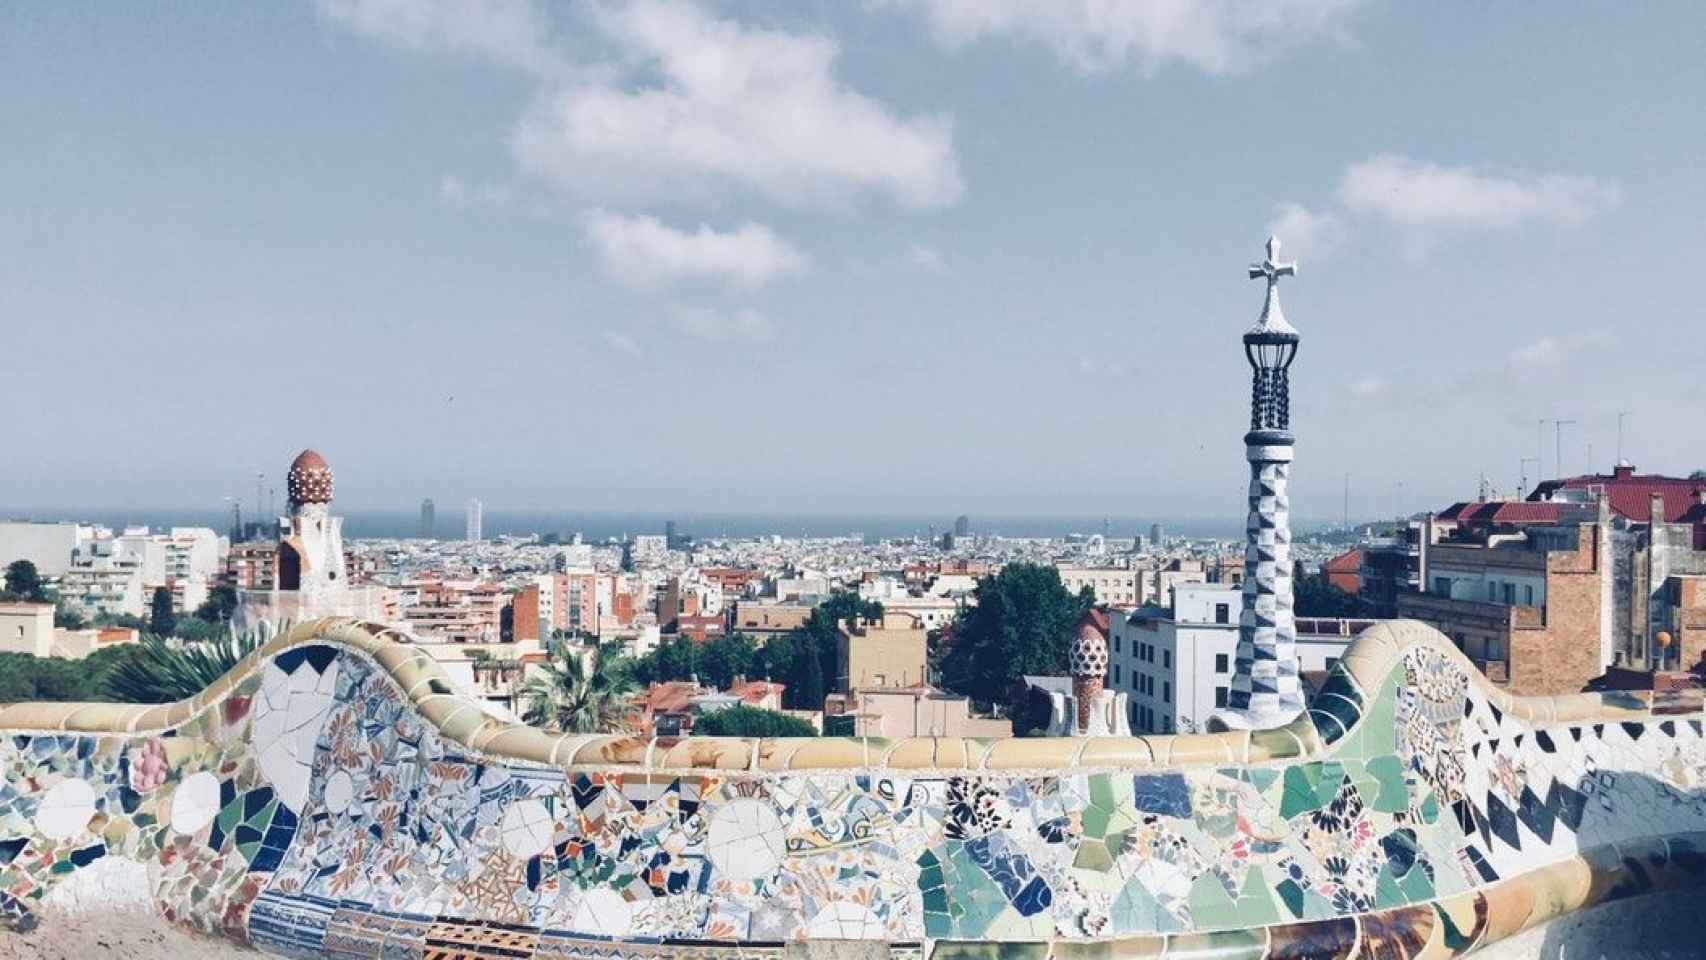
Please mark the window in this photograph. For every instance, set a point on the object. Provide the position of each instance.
(1116, 674)
(1167, 659)
(1495, 649)
(1166, 691)
(1492, 591)
(1442, 586)
(1220, 696)
(1510, 592)
(1528, 595)
(1222, 613)
(1167, 724)
(1220, 663)
(1116, 643)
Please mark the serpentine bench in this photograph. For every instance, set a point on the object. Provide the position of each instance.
(333, 796)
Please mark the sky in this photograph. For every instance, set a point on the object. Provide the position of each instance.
(841, 255)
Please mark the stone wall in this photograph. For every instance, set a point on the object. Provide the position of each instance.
(333, 797)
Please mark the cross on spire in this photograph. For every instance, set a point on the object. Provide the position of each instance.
(1272, 268)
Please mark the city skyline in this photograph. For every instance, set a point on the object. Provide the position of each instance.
(750, 326)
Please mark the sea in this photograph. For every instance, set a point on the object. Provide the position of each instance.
(603, 526)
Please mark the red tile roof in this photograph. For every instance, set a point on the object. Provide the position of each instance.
(1504, 511)
(1348, 562)
(1630, 494)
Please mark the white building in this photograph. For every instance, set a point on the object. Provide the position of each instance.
(104, 585)
(475, 522)
(1176, 668)
(1113, 586)
(47, 545)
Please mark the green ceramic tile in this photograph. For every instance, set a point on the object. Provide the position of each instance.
(1256, 901)
(1211, 906)
(1393, 795)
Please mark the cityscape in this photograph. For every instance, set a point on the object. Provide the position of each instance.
(666, 622)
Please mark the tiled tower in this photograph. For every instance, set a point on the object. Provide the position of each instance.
(1265, 688)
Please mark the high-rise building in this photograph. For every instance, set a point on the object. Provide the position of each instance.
(429, 518)
(1266, 690)
(1155, 535)
(962, 526)
(669, 535)
(474, 522)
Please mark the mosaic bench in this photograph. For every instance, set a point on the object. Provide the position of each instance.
(333, 797)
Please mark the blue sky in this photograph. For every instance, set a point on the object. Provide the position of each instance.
(899, 255)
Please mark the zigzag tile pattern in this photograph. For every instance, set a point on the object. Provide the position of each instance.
(333, 799)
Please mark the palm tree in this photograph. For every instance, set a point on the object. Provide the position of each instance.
(163, 670)
(569, 695)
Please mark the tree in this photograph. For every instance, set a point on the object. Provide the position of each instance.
(570, 695)
(161, 672)
(68, 617)
(23, 580)
(745, 721)
(506, 623)
(806, 687)
(219, 606)
(162, 622)
(1698, 475)
(1023, 623)
(1313, 595)
(725, 658)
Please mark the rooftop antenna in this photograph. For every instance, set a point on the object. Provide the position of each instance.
(1621, 414)
(260, 479)
(1558, 440)
(1345, 517)
(1540, 446)
(1522, 469)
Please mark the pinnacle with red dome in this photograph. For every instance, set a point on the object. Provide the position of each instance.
(309, 479)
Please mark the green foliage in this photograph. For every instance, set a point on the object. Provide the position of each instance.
(161, 620)
(197, 630)
(806, 688)
(1315, 596)
(24, 677)
(716, 662)
(23, 580)
(164, 670)
(571, 695)
(220, 604)
(745, 721)
(68, 617)
(1023, 623)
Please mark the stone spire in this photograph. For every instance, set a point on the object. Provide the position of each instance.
(1265, 687)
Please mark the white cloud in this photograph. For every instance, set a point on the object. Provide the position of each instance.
(644, 253)
(1549, 352)
(928, 258)
(1305, 232)
(512, 33)
(1369, 387)
(622, 342)
(705, 323)
(1219, 36)
(714, 103)
(1423, 195)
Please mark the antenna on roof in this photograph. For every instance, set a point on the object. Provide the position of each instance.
(1620, 415)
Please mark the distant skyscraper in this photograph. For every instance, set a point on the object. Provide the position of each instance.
(669, 534)
(475, 521)
(1265, 685)
(962, 526)
(1155, 535)
(429, 518)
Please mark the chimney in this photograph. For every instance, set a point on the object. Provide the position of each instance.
(1656, 508)
(1623, 471)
